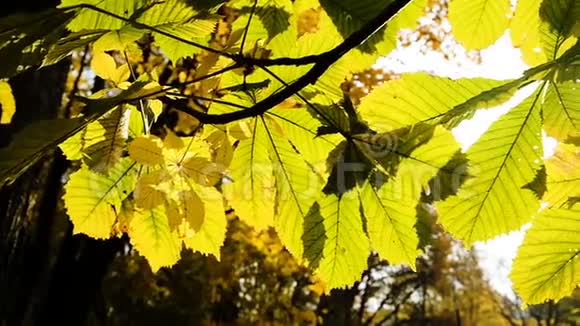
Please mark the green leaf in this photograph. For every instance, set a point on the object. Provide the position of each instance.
(25, 39)
(178, 19)
(92, 199)
(502, 162)
(117, 39)
(252, 191)
(477, 24)
(270, 18)
(87, 19)
(38, 138)
(300, 127)
(561, 110)
(66, 45)
(419, 97)
(526, 38)
(349, 16)
(297, 188)
(558, 18)
(563, 170)
(32, 143)
(546, 265)
(390, 206)
(150, 235)
(102, 143)
(340, 248)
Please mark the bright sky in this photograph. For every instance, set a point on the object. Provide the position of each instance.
(500, 61)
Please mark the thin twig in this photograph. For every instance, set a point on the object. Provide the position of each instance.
(247, 27)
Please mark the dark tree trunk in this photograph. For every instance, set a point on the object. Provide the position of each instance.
(46, 274)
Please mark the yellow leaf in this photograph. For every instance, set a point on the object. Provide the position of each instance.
(103, 65)
(147, 194)
(121, 74)
(222, 147)
(92, 200)
(7, 102)
(156, 106)
(172, 141)
(188, 211)
(151, 236)
(117, 39)
(147, 150)
(202, 170)
(209, 239)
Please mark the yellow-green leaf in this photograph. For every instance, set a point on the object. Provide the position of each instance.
(525, 33)
(477, 24)
(211, 236)
(344, 244)
(561, 110)
(418, 97)
(563, 170)
(102, 142)
(297, 188)
(103, 65)
(546, 265)
(92, 199)
(502, 162)
(147, 150)
(390, 205)
(151, 236)
(252, 192)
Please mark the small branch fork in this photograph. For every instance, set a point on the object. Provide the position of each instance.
(322, 63)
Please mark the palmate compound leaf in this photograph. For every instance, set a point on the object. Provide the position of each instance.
(101, 143)
(546, 265)
(477, 24)
(390, 205)
(180, 179)
(255, 185)
(563, 176)
(561, 110)
(150, 234)
(334, 240)
(420, 97)
(502, 162)
(92, 200)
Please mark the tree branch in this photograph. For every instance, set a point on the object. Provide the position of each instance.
(323, 62)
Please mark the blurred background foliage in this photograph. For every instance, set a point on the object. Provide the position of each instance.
(258, 282)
